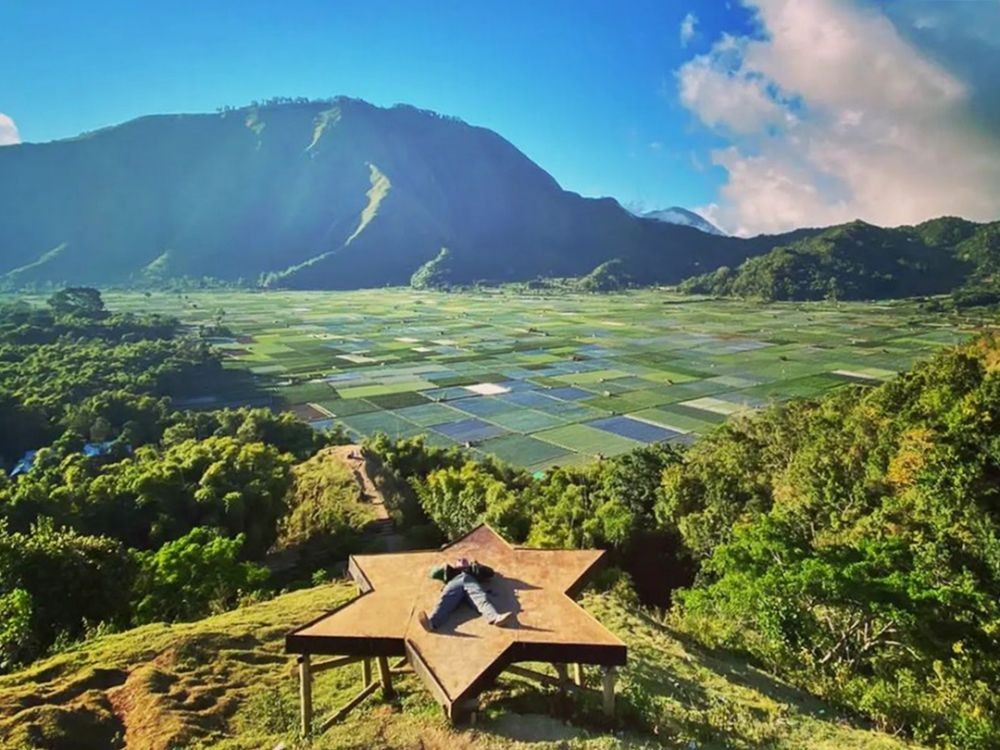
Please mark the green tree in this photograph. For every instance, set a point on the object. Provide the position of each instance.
(609, 276)
(459, 499)
(219, 482)
(70, 580)
(78, 301)
(853, 544)
(189, 577)
(17, 638)
(629, 486)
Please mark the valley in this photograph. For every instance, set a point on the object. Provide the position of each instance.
(544, 380)
(527, 376)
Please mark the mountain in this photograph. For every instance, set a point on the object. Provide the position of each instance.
(329, 194)
(341, 194)
(862, 261)
(683, 217)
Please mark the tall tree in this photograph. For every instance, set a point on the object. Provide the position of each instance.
(78, 301)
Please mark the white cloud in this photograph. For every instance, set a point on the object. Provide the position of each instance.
(687, 28)
(8, 131)
(727, 97)
(834, 116)
(839, 54)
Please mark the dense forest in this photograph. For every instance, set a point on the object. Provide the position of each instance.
(849, 544)
(861, 261)
(123, 509)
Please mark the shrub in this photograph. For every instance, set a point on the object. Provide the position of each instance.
(193, 576)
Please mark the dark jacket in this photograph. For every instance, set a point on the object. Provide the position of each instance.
(476, 569)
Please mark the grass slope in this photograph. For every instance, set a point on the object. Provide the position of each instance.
(225, 682)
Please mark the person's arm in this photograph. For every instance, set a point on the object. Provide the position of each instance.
(443, 573)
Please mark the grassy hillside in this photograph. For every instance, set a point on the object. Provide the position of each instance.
(326, 194)
(861, 261)
(224, 682)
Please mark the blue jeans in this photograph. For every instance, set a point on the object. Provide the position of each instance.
(462, 587)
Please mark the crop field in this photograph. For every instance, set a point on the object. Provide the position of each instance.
(546, 380)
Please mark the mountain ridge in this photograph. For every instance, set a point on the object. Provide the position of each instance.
(858, 260)
(342, 194)
(275, 194)
(683, 217)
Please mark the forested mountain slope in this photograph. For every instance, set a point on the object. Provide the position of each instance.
(331, 194)
(862, 261)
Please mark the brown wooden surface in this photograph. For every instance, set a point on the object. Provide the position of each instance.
(467, 653)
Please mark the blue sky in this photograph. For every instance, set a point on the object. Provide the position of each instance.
(581, 87)
(610, 97)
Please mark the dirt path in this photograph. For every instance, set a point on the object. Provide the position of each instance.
(382, 527)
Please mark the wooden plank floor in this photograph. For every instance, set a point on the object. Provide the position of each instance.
(467, 653)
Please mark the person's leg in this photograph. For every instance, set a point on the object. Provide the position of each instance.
(477, 595)
(451, 596)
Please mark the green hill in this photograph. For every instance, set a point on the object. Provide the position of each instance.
(861, 261)
(224, 682)
(326, 194)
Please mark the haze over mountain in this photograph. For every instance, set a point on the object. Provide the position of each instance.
(331, 194)
(684, 217)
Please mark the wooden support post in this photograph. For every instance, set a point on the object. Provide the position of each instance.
(385, 677)
(307, 670)
(578, 674)
(464, 712)
(305, 695)
(347, 707)
(609, 690)
(563, 679)
(366, 672)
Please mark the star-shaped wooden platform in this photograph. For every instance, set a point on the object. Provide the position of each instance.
(464, 656)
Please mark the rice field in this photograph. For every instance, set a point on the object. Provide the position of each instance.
(547, 380)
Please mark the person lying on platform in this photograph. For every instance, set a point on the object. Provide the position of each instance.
(463, 582)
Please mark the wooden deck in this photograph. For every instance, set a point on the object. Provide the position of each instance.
(463, 657)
